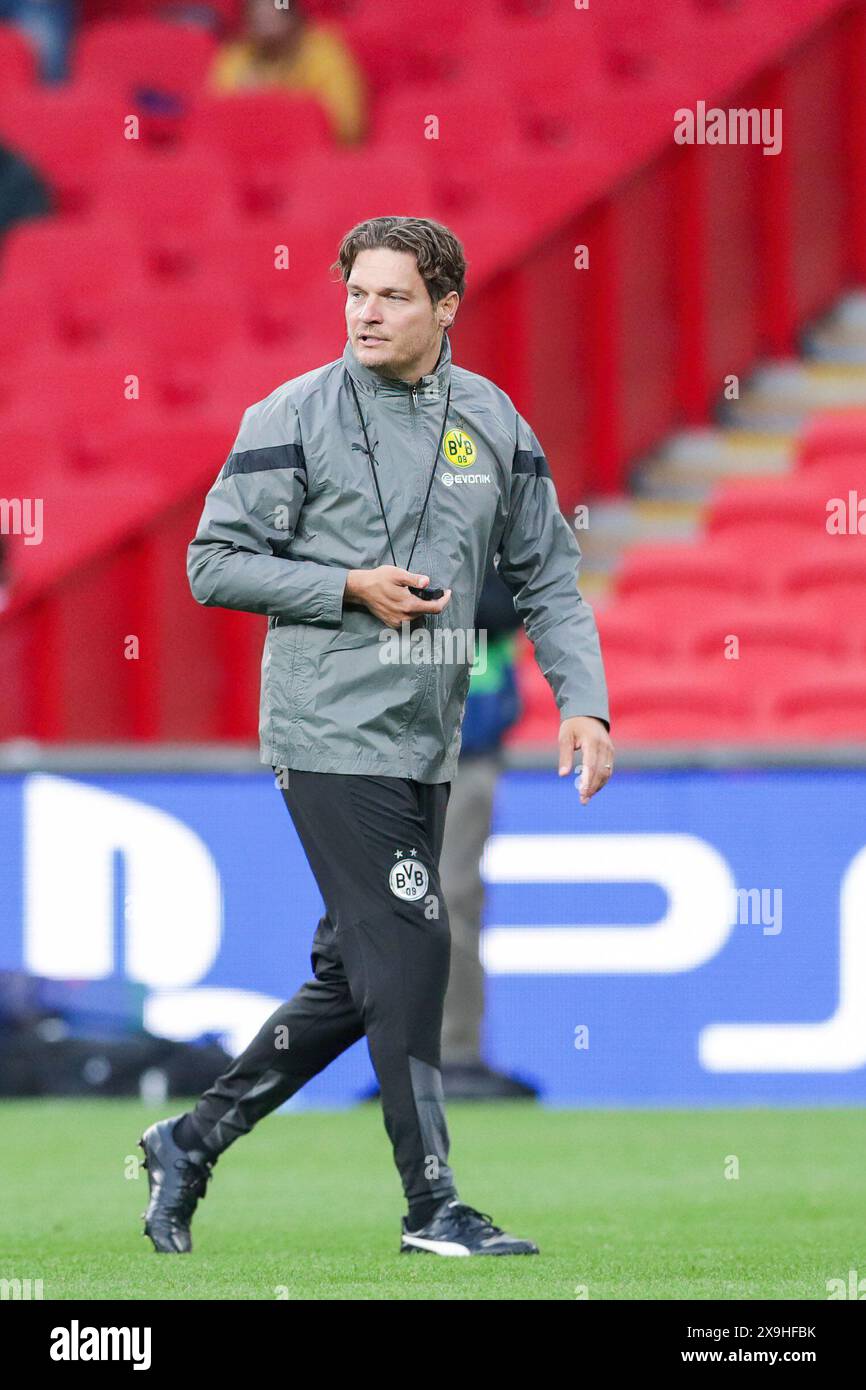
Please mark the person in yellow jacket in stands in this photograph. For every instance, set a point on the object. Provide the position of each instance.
(281, 47)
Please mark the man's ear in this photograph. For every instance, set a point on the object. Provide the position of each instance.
(448, 312)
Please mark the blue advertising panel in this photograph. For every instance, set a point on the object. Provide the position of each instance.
(688, 938)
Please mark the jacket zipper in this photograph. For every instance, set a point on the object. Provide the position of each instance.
(422, 695)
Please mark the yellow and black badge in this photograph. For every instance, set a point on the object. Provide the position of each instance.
(459, 449)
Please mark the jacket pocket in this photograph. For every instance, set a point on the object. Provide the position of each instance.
(342, 641)
(356, 689)
(345, 641)
(289, 677)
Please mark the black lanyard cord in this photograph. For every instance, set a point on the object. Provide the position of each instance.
(376, 480)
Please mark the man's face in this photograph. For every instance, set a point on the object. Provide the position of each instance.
(391, 321)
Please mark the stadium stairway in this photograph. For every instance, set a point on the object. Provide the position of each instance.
(754, 437)
(760, 477)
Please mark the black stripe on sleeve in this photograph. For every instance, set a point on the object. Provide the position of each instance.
(525, 461)
(258, 460)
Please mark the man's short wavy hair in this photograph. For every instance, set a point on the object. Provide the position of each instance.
(438, 253)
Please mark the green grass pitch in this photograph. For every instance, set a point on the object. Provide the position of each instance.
(624, 1205)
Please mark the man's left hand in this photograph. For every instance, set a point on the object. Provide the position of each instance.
(589, 735)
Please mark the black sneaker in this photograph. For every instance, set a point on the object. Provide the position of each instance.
(477, 1081)
(177, 1179)
(473, 1081)
(457, 1229)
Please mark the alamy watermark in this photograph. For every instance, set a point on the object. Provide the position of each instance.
(22, 516)
(736, 126)
(757, 907)
(441, 646)
(20, 1289)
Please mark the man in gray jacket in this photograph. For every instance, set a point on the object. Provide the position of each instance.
(390, 451)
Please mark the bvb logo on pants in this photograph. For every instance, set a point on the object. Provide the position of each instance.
(408, 879)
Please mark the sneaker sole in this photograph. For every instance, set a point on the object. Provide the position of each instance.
(450, 1249)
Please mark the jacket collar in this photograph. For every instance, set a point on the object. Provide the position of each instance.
(429, 387)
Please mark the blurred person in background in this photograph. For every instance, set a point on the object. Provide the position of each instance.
(23, 192)
(49, 25)
(492, 707)
(281, 47)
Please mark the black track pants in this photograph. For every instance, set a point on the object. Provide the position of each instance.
(380, 957)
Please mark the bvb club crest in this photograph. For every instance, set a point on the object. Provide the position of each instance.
(408, 878)
(459, 449)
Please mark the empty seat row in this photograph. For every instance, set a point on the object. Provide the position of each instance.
(399, 42)
(673, 705)
(259, 152)
(680, 579)
(85, 419)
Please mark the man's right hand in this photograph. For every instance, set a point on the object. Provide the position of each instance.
(385, 591)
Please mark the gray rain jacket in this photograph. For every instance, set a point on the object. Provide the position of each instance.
(294, 508)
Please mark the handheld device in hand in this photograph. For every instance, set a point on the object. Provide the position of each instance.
(428, 594)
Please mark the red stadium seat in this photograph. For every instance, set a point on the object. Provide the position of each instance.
(341, 10)
(92, 393)
(183, 329)
(539, 719)
(773, 540)
(539, 33)
(831, 577)
(464, 119)
(81, 516)
(542, 181)
(481, 115)
(652, 651)
(773, 647)
(229, 13)
(818, 710)
(769, 518)
(34, 446)
(138, 56)
(533, 729)
(26, 317)
(332, 192)
(237, 378)
(178, 190)
(684, 579)
(568, 95)
(830, 433)
(719, 39)
(19, 66)
(671, 707)
(497, 239)
(632, 645)
(279, 305)
(394, 48)
(164, 449)
(67, 132)
(169, 200)
(635, 38)
(836, 475)
(261, 135)
(83, 270)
